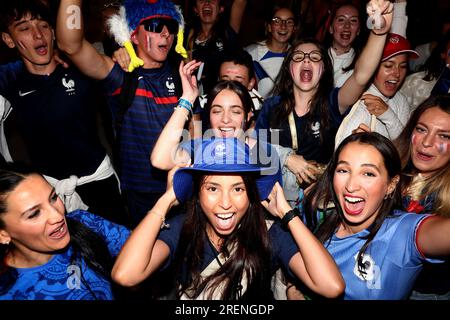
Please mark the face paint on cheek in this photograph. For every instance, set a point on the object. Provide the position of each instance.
(21, 45)
(442, 147)
(414, 139)
(148, 42)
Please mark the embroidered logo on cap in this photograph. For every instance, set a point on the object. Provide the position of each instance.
(394, 40)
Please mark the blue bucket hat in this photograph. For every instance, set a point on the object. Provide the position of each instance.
(225, 155)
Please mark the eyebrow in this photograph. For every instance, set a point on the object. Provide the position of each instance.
(439, 130)
(37, 205)
(370, 165)
(20, 23)
(219, 185)
(233, 106)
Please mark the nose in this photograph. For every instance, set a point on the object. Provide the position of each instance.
(165, 32)
(347, 24)
(352, 184)
(396, 71)
(226, 118)
(37, 33)
(225, 201)
(428, 140)
(54, 215)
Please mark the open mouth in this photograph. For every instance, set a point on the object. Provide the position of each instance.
(207, 11)
(353, 205)
(226, 132)
(345, 35)
(391, 85)
(59, 232)
(424, 156)
(225, 221)
(306, 75)
(41, 50)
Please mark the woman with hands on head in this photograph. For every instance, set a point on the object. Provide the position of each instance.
(222, 248)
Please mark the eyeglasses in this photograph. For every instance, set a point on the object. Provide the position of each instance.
(157, 25)
(299, 56)
(278, 21)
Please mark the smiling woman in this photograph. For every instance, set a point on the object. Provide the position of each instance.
(222, 247)
(424, 146)
(37, 239)
(379, 250)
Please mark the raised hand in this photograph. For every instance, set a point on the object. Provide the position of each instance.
(188, 80)
(122, 57)
(380, 15)
(276, 202)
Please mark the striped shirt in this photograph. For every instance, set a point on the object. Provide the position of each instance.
(144, 120)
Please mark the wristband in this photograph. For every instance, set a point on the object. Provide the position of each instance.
(184, 103)
(291, 214)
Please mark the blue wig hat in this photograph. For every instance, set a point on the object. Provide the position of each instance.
(225, 155)
(132, 13)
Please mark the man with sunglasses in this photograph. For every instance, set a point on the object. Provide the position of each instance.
(154, 26)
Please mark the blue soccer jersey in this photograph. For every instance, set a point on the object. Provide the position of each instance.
(391, 263)
(60, 278)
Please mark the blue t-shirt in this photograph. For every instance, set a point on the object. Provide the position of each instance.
(55, 118)
(142, 123)
(58, 279)
(392, 259)
(283, 246)
(308, 138)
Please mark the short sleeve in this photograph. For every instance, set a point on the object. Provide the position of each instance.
(283, 245)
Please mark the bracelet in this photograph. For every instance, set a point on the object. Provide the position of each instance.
(184, 103)
(181, 108)
(163, 220)
(290, 286)
(291, 214)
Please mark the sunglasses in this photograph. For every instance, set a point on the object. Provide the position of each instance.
(299, 56)
(157, 25)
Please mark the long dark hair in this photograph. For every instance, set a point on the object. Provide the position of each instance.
(237, 88)
(252, 255)
(439, 182)
(323, 193)
(86, 245)
(319, 110)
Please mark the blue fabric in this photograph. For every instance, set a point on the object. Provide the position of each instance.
(136, 10)
(392, 258)
(434, 279)
(309, 144)
(282, 244)
(229, 158)
(56, 119)
(144, 120)
(57, 279)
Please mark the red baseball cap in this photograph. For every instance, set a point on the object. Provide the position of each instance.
(396, 44)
